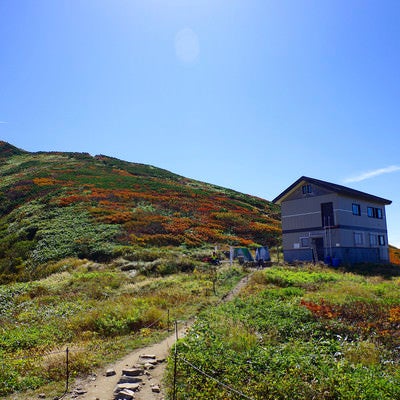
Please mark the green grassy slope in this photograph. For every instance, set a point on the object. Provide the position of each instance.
(55, 205)
(296, 333)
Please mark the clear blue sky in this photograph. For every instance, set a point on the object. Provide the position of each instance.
(247, 94)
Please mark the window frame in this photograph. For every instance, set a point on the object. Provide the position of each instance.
(304, 241)
(306, 189)
(359, 235)
(375, 212)
(373, 240)
(356, 209)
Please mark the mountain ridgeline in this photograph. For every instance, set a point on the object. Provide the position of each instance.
(55, 205)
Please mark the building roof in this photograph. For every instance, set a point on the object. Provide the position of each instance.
(343, 190)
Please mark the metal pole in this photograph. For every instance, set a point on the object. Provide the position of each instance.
(326, 254)
(330, 238)
(67, 383)
(277, 253)
(175, 359)
(67, 375)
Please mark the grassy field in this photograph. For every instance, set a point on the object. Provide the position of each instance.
(100, 312)
(306, 332)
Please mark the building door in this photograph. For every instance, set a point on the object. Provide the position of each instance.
(327, 216)
(318, 248)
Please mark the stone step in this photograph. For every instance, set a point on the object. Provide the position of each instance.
(129, 379)
(125, 394)
(133, 371)
(130, 386)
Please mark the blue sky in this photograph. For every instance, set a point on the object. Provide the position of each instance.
(245, 94)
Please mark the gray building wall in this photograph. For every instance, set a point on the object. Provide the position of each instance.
(352, 238)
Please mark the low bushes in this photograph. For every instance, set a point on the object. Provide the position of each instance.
(294, 333)
(98, 311)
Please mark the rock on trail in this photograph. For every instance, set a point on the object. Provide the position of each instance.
(138, 376)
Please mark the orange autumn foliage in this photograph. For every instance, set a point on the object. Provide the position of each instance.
(394, 255)
(44, 181)
(322, 310)
(178, 225)
(365, 318)
(394, 315)
(117, 218)
(121, 172)
(68, 200)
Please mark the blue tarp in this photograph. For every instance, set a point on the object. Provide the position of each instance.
(262, 253)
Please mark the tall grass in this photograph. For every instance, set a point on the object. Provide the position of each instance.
(99, 311)
(300, 333)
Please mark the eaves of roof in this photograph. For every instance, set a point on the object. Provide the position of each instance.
(343, 190)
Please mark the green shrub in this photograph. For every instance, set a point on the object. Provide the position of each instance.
(269, 345)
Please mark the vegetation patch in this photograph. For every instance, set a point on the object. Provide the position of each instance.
(57, 205)
(99, 312)
(298, 333)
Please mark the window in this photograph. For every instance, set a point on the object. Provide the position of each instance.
(306, 189)
(305, 242)
(327, 214)
(356, 209)
(358, 238)
(374, 212)
(376, 240)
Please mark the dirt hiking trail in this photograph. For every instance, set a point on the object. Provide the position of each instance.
(101, 387)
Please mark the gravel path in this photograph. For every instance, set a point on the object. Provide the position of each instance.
(101, 386)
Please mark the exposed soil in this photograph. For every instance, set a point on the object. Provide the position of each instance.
(101, 387)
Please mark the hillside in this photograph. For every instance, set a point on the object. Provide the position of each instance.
(55, 205)
(326, 333)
